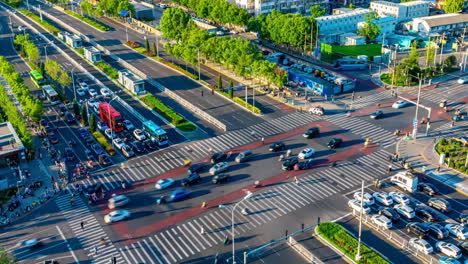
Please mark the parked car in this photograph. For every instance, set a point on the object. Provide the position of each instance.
(179, 194)
(277, 146)
(106, 92)
(217, 157)
(191, 179)
(220, 178)
(377, 114)
(89, 141)
(390, 213)
(101, 126)
(449, 249)
(439, 204)
(139, 134)
(289, 163)
(97, 149)
(83, 84)
(405, 211)
(417, 229)
(118, 143)
(334, 143)
(426, 214)
(128, 125)
(89, 155)
(381, 221)
(164, 183)
(116, 216)
(463, 246)
(62, 111)
(83, 132)
(399, 197)
(80, 91)
(69, 118)
(400, 104)
(53, 138)
(463, 218)
(219, 167)
(196, 168)
(421, 245)
(367, 198)
(428, 189)
(92, 92)
(459, 231)
(127, 151)
(306, 153)
(438, 231)
(462, 80)
(311, 132)
(138, 146)
(104, 160)
(383, 198)
(356, 205)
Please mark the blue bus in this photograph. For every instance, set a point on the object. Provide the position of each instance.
(156, 133)
(350, 65)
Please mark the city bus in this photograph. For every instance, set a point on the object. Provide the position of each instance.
(156, 133)
(111, 117)
(37, 78)
(51, 95)
(350, 64)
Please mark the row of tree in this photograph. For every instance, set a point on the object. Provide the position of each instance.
(219, 11)
(111, 8)
(234, 53)
(26, 47)
(55, 71)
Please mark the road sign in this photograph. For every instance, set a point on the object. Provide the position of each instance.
(415, 122)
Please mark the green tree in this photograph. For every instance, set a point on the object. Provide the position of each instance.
(84, 115)
(64, 78)
(4, 259)
(31, 51)
(317, 11)
(351, 6)
(125, 5)
(231, 93)
(52, 68)
(92, 122)
(155, 50)
(87, 7)
(76, 108)
(42, 68)
(220, 83)
(147, 45)
(175, 23)
(369, 30)
(453, 6)
(430, 53)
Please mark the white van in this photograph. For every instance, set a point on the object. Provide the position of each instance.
(405, 180)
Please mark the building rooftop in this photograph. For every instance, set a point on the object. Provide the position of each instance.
(413, 3)
(386, 19)
(9, 140)
(357, 11)
(131, 76)
(93, 49)
(444, 19)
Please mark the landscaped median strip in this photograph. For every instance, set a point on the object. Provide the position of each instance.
(44, 23)
(337, 236)
(88, 21)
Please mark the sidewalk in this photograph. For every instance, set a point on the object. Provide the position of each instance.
(422, 156)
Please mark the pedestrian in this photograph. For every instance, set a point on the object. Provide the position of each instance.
(82, 225)
(212, 91)
(263, 141)
(326, 97)
(288, 153)
(114, 259)
(202, 230)
(396, 156)
(96, 249)
(389, 169)
(438, 169)
(296, 180)
(201, 92)
(452, 124)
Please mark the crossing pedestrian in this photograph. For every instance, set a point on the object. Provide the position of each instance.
(263, 141)
(82, 225)
(296, 180)
(114, 259)
(452, 124)
(96, 250)
(202, 230)
(201, 92)
(438, 169)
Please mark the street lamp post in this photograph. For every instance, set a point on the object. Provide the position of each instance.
(157, 45)
(198, 54)
(415, 121)
(73, 80)
(233, 209)
(45, 49)
(358, 254)
(112, 124)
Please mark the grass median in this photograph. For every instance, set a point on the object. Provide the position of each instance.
(88, 21)
(42, 22)
(346, 243)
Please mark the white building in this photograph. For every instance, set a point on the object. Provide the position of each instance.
(441, 24)
(71, 39)
(386, 24)
(132, 82)
(331, 27)
(257, 7)
(401, 11)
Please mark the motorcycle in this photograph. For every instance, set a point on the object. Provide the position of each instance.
(245, 211)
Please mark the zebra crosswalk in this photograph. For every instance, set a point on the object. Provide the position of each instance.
(460, 129)
(91, 234)
(373, 99)
(452, 90)
(364, 129)
(183, 241)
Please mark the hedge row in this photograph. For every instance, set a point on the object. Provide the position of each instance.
(340, 238)
(132, 44)
(455, 152)
(44, 23)
(14, 3)
(162, 109)
(241, 102)
(107, 69)
(186, 126)
(88, 21)
(103, 142)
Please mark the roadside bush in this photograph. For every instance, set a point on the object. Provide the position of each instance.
(155, 104)
(44, 23)
(340, 238)
(132, 44)
(14, 3)
(107, 69)
(88, 21)
(80, 51)
(103, 142)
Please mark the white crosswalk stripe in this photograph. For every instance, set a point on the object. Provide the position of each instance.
(373, 99)
(183, 241)
(92, 233)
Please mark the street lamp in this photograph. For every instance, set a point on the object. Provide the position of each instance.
(233, 209)
(45, 49)
(358, 254)
(157, 44)
(198, 52)
(73, 79)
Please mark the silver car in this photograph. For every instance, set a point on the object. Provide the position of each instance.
(220, 167)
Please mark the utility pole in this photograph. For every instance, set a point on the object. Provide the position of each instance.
(461, 41)
(415, 121)
(358, 254)
(442, 49)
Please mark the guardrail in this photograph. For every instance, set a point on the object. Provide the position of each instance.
(396, 239)
(307, 254)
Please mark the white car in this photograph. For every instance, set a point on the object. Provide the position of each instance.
(220, 167)
(80, 91)
(399, 197)
(405, 210)
(306, 153)
(449, 249)
(462, 80)
(118, 143)
(83, 84)
(164, 183)
(106, 92)
(110, 134)
(381, 221)
(219, 33)
(139, 134)
(128, 125)
(234, 32)
(116, 216)
(460, 231)
(92, 92)
(368, 199)
(356, 205)
(421, 245)
(383, 198)
(400, 104)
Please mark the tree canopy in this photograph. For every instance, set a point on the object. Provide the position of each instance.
(453, 6)
(175, 22)
(317, 11)
(113, 7)
(369, 30)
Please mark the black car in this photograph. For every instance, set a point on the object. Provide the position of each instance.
(191, 179)
(62, 110)
(277, 146)
(44, 122)
(94, 188)
(69, 154)
(126, 136)
(53, 138)
(439, 204)
(223, 177)
(196, 168)
(426, 214)
(305, 165)
(428, 189)
(288, 164)
(150, 144)
(463, 218)
(334, 143)
(390, 213)
(311, 132)
(418, 229)
(438, 231)
(104, 160)
(69, 118)
(464, 248)
(138, 146)
(217, 157)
